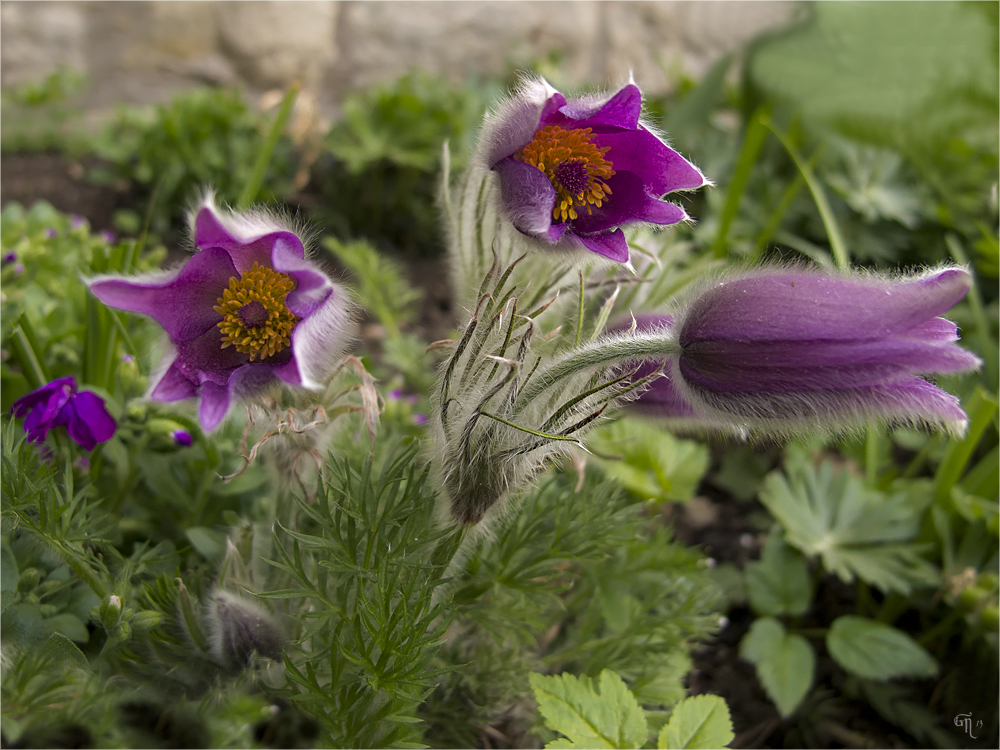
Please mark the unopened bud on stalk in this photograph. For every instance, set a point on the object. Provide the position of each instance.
(503, 407)
(239, 629)
(110, 612)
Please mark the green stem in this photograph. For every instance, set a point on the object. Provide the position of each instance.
(986, 344)
(35, 375)
(252, 187)
(753, 140)
(837, 246)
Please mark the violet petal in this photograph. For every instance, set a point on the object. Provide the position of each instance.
(803, 306)
(661, 169)
(527, 195)
(184, 304)
(173, 386)
(214, 405)
(611, 245)
(621, 110)
(89, 422)
(631, 204)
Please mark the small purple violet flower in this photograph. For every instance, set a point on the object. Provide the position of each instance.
(9, 257)
(572, 172)
(108, 236)
(785, 350)
(246, 311)
(59, 404)
(51, 233)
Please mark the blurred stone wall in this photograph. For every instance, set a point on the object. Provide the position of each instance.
(143, 52)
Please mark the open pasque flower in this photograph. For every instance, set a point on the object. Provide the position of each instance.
(572, 172)
(786, 350)
(246, 311)
(60, 404)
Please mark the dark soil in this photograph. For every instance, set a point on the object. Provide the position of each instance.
(31, 177)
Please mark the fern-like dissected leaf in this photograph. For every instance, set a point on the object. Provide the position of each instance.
(856, 531)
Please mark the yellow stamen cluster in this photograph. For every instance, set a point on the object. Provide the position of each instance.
(255, 318)
(574, 165)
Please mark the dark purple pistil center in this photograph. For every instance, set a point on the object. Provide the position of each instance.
(253, 314)
(572, 175)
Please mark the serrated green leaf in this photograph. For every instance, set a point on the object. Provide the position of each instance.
(59, 648)
(779, 583)
(701, 721)
(570, 705)
(856, 531)
(876, 651)
(665, 686)
(785, 662)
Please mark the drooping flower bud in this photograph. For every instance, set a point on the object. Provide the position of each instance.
(788, 350)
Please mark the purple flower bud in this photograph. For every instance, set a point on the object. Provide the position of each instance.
(420, 419)
(395, 394)
(59, 404)
(246, 311)
(783, 351)
(183, 437)
(51, 233)
(108, 236)
(573, 171)
(9, 257)
(77, 221)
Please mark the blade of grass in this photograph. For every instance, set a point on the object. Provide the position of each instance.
(25, 347)
(981, 408)
(837, 246)
(251, 189)
(779, 212)
(987, 345)
(753, 140)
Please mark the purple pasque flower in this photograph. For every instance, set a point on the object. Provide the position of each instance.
(574, 171)
(59, 404)
(785, 350)
(246, 311)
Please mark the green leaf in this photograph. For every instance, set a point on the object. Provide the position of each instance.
(665, 686)
(570, 705)
(59, 648)
(785, 662)
(211, 544)
(847, 67)
(856, 531)
(649, 461)
(779, 583)
(70, 626)
(8, 570)
(702, 721)
(876, 651)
